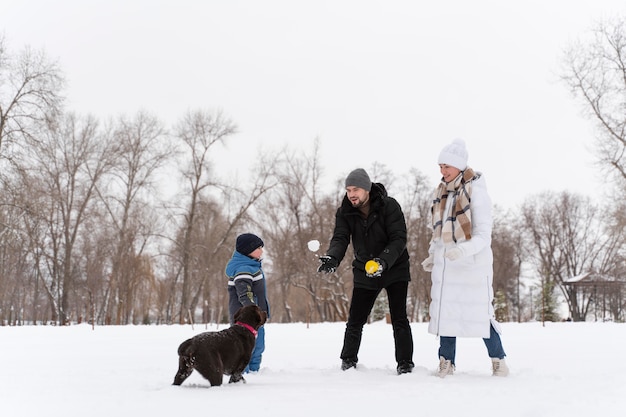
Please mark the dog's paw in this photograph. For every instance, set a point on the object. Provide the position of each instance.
(236, 378)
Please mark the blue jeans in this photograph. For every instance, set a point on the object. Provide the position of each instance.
(257, 353)
(447, 346)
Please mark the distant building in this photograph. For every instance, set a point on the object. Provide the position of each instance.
(596, 297)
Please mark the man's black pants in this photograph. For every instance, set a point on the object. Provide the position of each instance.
(360, 307)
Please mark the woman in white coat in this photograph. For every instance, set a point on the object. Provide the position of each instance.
(461, 262)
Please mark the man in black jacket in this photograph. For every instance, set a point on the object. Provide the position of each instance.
(375, 224)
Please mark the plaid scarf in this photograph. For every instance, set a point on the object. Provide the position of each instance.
(458, 225)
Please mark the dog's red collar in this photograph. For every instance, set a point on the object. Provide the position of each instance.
(247, 326)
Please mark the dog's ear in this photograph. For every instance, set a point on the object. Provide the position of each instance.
(237, 315)
(260, 317)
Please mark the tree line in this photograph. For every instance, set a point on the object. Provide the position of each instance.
(126, 221)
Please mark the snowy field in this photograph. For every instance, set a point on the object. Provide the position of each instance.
(562, 369)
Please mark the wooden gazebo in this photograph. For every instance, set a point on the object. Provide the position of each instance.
(605, 293)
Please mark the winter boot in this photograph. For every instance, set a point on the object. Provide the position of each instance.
(347, 364)
(499, 367)
(445, 367)
(405, 367)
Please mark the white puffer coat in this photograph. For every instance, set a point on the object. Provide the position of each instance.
(462, 290)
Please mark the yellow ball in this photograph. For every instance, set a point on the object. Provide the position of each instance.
(371, 266)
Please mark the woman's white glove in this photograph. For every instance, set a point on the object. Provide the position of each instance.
(428, 263)
(454, 253)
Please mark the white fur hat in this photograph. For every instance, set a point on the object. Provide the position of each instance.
(454, 154)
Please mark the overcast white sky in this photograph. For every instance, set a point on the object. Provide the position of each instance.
(377, 81)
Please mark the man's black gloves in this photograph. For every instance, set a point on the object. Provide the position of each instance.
(328, 264)
(374, 268)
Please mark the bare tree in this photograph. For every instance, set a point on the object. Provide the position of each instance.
(233, 213)
(17, 284)
(595, 71)
(30, 86)
(569, 238)
(507, 263)
(292, 214)
(128, 196)
(68, 163)
(542, 227)
(199, 132)
(218, 216)
(417, 202)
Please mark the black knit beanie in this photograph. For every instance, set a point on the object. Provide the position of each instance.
(248, 243)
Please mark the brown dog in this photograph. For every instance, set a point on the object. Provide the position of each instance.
(227, 352)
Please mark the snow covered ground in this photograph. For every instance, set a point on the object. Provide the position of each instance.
(562, 369)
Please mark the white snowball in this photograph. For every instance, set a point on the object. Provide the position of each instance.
(314, 245)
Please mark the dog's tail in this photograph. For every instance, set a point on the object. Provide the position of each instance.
(185, 348)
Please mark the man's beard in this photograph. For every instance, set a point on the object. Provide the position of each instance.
(358, 204)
